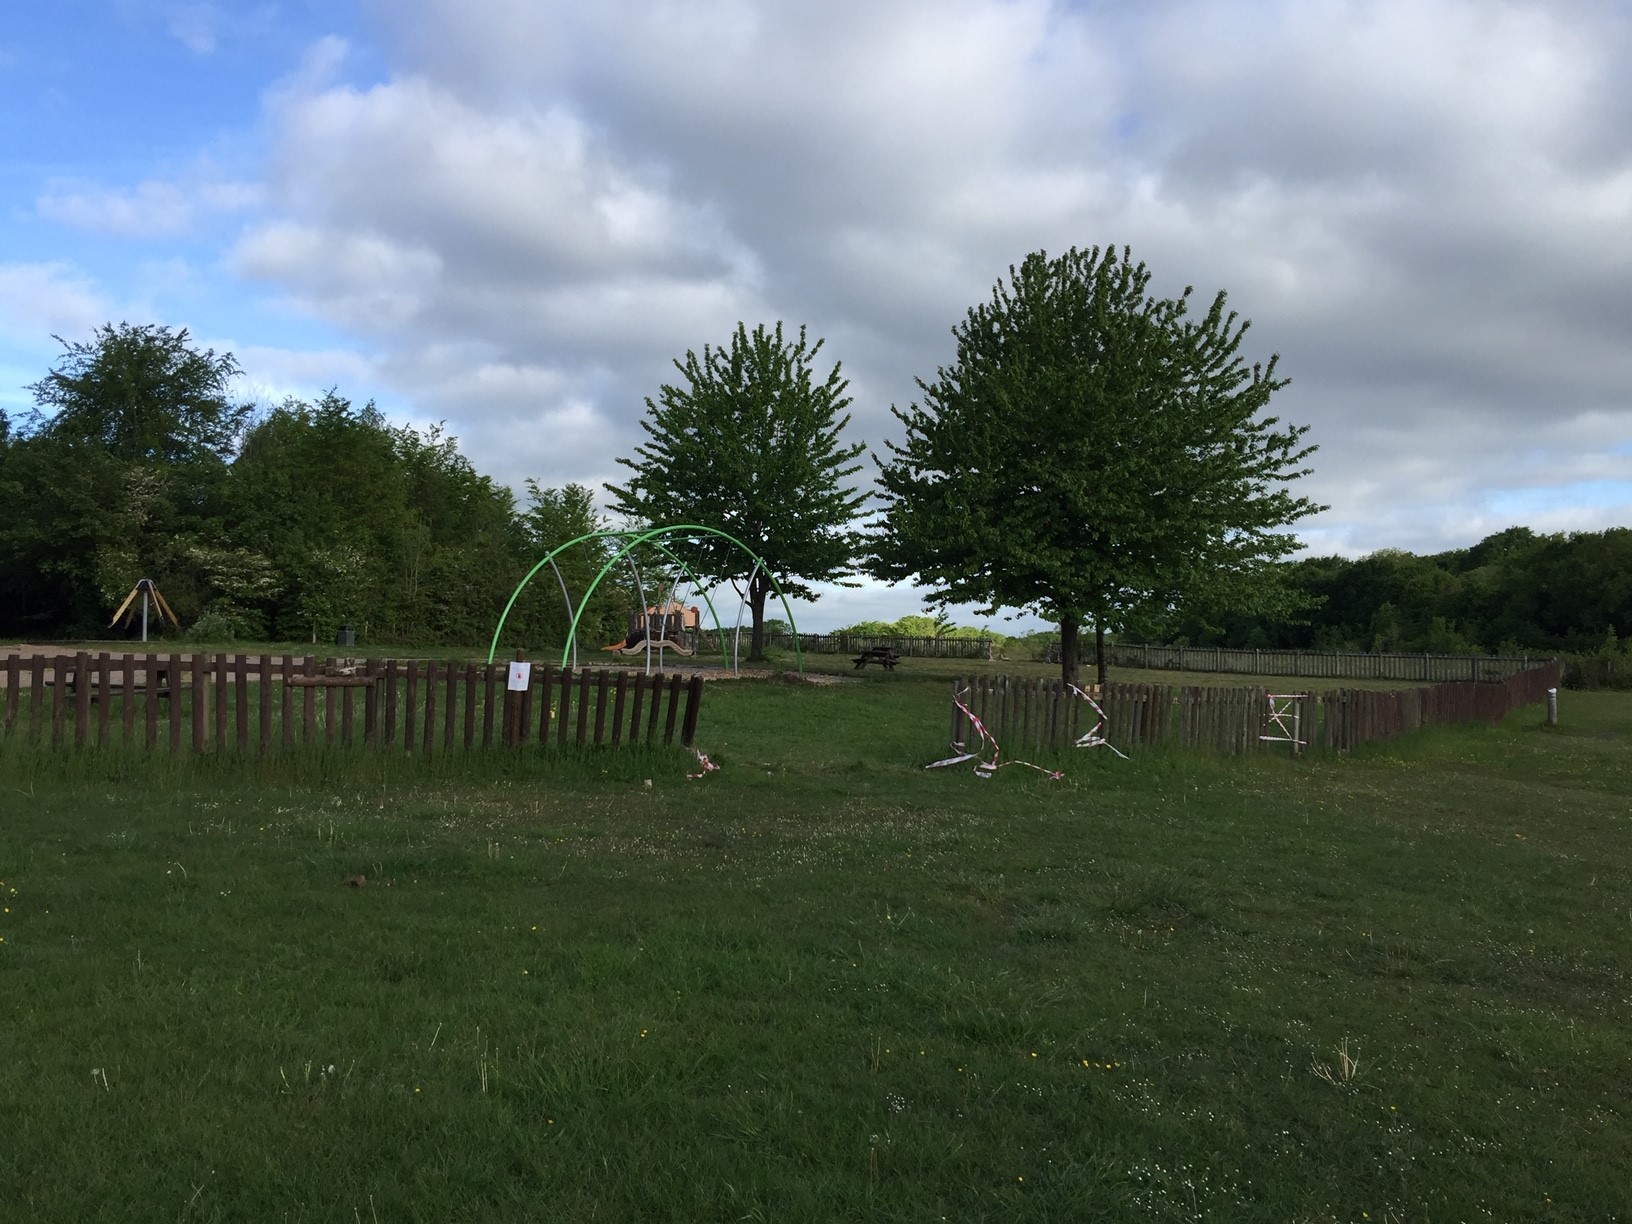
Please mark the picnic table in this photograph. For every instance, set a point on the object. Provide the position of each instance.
(884, 656)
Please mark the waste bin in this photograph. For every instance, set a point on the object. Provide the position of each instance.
(346, 637)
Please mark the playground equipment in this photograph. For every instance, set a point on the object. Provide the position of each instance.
(629, 542)
(672, 627)
(149, 591)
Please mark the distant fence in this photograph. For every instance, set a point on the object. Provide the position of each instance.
(1029, 715)
(245, 703)
(855, 643)
(1320, 664)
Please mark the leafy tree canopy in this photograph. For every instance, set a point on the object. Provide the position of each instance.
(143, 393)
(917, 626)
(113, 474)
(1092, 452)
(749, 444)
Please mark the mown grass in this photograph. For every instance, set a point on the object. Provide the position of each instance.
(822, 983)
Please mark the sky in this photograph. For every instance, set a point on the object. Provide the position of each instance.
(513, 215)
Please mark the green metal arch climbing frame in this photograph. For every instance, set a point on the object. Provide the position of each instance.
(633, 540)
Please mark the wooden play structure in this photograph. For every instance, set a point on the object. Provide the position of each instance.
(149, 591)
(673, 626)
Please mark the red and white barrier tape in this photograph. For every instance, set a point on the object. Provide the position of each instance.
(1284, 706)
(1092, 738)
(983, 767)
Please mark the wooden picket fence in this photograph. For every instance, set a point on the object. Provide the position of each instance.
(247, 703)
(1025, 714)
(1312, 664)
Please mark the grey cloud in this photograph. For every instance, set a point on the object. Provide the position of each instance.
(1426, 208)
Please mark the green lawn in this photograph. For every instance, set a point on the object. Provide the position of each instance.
(824, 984)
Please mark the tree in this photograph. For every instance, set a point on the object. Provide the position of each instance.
(1091, 454)
(114, 474)
(750, 446)
(553, 517)
(319, 490)
(391, 529)
(141, 393)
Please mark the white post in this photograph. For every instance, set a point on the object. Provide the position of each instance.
(1552, 707)
(144, 614)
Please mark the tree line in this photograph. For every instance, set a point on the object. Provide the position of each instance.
(272, 526)
(284, 524)
(1514, 592)
(1096, 454)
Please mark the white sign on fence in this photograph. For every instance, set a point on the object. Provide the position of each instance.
(521, 675)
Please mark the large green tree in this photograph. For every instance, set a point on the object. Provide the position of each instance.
(116, 473)
(142, 393)
(390, 529)
(750, 445)
(1094, 452)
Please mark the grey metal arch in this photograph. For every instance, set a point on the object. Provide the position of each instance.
(633, 540)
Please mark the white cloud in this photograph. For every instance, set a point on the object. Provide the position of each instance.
(196, 27)
(272, 374)
(151, 209)
(38, 300)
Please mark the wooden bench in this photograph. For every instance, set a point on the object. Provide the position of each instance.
(158, 683)
(884, 656)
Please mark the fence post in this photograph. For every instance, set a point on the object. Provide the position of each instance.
(82, 697)
(694, 700)
(14, 680)
(198, 688)
(1552, 707)
(512, 708)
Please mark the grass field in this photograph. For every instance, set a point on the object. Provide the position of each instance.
(823, 984)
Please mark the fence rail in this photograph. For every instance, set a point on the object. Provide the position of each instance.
(1025, 714)
(248, 703)
(1321, 664)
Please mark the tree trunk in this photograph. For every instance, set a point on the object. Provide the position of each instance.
(758, 589)
(1068, 649)
(1099, 654)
